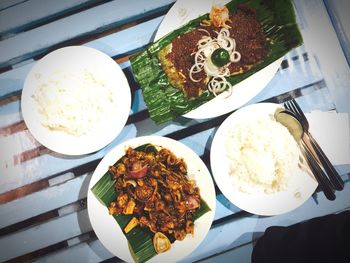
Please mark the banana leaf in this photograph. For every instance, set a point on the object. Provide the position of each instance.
(140, 240)
(165, 102)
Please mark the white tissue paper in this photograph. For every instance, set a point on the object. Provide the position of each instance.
(331, 131)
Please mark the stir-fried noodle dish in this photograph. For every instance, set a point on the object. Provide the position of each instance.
(154, 187)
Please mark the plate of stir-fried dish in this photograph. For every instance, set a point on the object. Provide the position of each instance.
(151, 199)
(211, 57)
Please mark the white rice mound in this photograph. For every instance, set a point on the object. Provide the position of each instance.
(262, 156)
(74, 103)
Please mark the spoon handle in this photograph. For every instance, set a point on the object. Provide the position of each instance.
(320, 176)
(333, 175)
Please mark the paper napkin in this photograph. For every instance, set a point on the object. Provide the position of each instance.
(331, 131)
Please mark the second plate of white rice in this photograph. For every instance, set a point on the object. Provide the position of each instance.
(257, 164)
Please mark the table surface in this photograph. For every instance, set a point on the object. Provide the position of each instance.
(43, 208)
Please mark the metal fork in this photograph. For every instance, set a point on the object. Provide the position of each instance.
(320, 176)
(333, 175)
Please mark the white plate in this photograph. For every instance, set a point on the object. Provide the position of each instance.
(71, 65)
(182, 12)
(108, 230)
(300, 185)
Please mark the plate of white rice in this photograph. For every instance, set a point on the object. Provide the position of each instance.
(258, 165)
(75, 100)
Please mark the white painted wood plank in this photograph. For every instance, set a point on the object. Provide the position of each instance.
(43, 235)
(333, 64)
(10, 3)
(12, 81)
(88, 252)
(10, 113)
(113, 45)
(92, 251)
(33, 10)
(69, 192)
(232, 234)
(50, 164)
(92, 20)
(339, 10)
(238, 232)
(240, 254)
(220, 238)
(297, 75)
(43, 201)
(12, 146)
(127, 40)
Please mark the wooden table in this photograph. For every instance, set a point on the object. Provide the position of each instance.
(43, 209)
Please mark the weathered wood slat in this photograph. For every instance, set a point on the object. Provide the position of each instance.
(243, 230)
(14, 145)
(276, 85)
(338, 12)
(223, 236)
(116, 44)
(52, 164)
(12, 81)
(21, 16)
(47, 199)
(10, 114)
(10, 3)
(333, 65)
(92, 251)
(128, 40)
(32, 239)
(71, 191)
(321, 81)
(43, 201)
(100, 18)
(303, 72)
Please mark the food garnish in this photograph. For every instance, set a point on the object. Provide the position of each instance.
(220, 57)
(132, 223)
(161, 243)
(214, 56)
(219, 16)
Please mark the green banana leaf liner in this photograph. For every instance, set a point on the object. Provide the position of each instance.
(140, 240)
(165, 102)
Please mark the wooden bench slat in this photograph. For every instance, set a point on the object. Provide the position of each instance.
(91, 252)
(229, 231)
(244, 230)
(51, 165)
(10, 114)
(43, 201)
(4, 4)
(30, 12)
(12, 81)
(113, 45)
(40, 39)
(34, 238)
(309, 74)
(221, 237)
